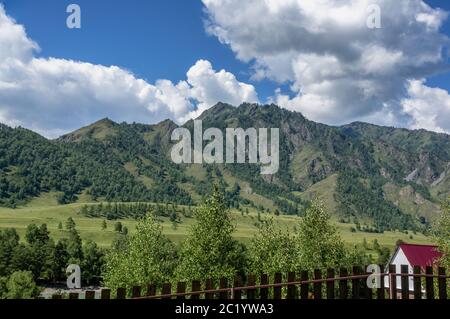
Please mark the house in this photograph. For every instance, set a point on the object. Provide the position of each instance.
(412, 255)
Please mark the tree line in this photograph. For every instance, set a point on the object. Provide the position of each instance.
(39, 259)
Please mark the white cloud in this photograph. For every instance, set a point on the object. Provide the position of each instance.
(54, 96)
(209, 86)
(429, 107)
(339, 70)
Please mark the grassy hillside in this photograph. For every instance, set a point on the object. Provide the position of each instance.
(46, 210)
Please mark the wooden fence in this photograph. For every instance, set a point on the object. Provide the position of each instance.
(302, 285)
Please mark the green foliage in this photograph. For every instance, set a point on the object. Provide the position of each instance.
(146, 257)
(272, 250)
(118, 227)
(9, 248)
(75, 247)
(92, 263)
(358, 199)
(210, 250)
(320, 245)
(60, 260)
(383, 255)
(441, 231)
(70, 224)
(21, 286)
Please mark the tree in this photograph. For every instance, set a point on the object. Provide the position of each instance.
(319, 243)
(60, 226)
(9, 244)
(383, 256)
(365, 244)
(36, 234)
(75, 247)
(145, 257)
(271, 250)
(21, 286)
(92, 262)
(441, 232)
(118, 227)
(60, 260)
(70, 224)
(210, 250)
(40, 251)
(375, 245)
(3, 290)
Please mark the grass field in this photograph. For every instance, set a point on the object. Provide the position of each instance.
(46, 210)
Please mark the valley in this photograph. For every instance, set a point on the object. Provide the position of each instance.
(46, 210)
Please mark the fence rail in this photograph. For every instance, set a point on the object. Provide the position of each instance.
(301, 285)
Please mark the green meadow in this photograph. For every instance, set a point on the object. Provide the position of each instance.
(46, 210)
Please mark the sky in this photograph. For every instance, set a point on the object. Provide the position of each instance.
(146, 61)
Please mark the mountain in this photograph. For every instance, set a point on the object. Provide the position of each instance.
(385, 177)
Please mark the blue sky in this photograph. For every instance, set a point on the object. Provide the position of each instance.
(157, 39)
(164, 39)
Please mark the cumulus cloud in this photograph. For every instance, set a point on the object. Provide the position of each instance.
(429, 107)
(339, 69)
(54, 96)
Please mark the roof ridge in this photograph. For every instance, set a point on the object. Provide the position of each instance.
(425, 245)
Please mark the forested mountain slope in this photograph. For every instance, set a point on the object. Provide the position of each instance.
(390, 178)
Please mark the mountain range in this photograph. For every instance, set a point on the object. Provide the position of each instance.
(388, 178)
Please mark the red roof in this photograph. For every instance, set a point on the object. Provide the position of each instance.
(421, 255)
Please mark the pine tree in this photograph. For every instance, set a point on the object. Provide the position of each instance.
(70, 224)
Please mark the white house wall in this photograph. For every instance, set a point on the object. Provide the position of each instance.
(398, 260)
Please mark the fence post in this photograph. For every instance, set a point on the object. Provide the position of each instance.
(196, 286)
(277, 290)
(304, 287)
(264, 292)
(181, 289)
(355, 283)
(381, 289)
(330, 284)
(343, 287)
(223, 283)
(251, 281)
(291, 289)
(429, 283)
(121, 293)
(442, 284)
(90, 294)
(151, 290)
(405, 281)
(317, 285)
(417, 282)
(105, 294)
(136, 292)
(209, 286)
(392, 282)
(237, 294)
(166, 290)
